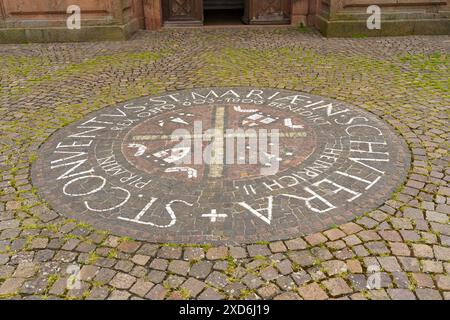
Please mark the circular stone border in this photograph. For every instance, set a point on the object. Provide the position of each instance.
(75, 174)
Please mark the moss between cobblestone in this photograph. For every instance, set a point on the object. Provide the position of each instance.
(36, 71)
(8, 296)
(112, 254)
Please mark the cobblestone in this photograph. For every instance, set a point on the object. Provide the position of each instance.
(312, 292)
(46, 87)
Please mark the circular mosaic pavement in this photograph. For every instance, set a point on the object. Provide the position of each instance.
(221, 165)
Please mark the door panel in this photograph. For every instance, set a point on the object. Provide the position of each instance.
(183, 11)
(267, 11)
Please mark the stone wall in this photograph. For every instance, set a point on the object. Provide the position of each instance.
(45, 21)
(398, 17)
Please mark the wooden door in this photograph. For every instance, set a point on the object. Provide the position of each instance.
(182, 12)
(267, 11)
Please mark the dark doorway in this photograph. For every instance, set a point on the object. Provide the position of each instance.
(223, 12)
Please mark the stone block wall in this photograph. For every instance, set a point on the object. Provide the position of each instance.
(45, 20)
(398, 17)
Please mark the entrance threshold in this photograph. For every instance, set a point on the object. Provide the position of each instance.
(223, 17)
(228, 26)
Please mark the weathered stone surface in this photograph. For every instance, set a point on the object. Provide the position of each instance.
(122, 281)
(252, 281)
(334, 234)
(303, 258)
(389, 264)
(201, 269)
(119, 295)
(258, 250)
(169, 252)
(401, 294)
(277, 247)
(159, 264)
(443, 282)
(238, 252)
(99, 293)
(60, 286)
(179, 267)
(156, 276)
(269, 274)
(285, 267)
(315, 239)
(312, 292)
(422, 251)
(11, 286)
(141, 287)
(173, 282)
(141, 259)
(87, 273)
(217, 253)
(296, 244)
(25, 270)
(430, 266)
(269, 291)
(158, 292)
(193, 254)
(442, 253)
(287, 296)
(104, 275)
(193, 286)
(337, 286)
(428, 294)
(210, 294)
(217, 279)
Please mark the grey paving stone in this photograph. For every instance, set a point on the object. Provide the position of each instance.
(211, 294)
(179, 267)
(201, 270)
(193, 286)
(122, 281)
(217, 279)
(258, 250)
(171, 253)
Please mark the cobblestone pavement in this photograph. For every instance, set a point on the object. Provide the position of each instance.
(403, 80)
